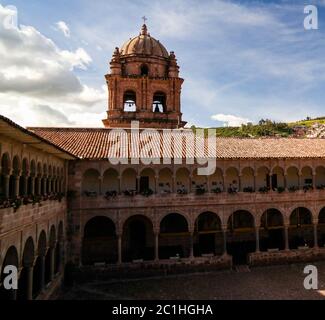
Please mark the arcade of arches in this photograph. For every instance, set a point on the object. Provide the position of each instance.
(177, 237)
(168, 180)
(40, 263)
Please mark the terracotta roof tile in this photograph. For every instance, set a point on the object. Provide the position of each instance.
(104, 143)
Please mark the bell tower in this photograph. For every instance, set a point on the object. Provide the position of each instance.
(144, 85)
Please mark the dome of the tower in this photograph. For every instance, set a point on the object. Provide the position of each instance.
(145, 45)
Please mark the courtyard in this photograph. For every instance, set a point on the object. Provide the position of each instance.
(263, 283)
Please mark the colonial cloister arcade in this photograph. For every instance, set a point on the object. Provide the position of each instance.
(21, 177)
(38, 261)
(185, 180)
(176, 235)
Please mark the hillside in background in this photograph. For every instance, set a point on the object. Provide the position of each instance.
(310, 128)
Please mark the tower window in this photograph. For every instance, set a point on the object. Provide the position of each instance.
(144, 70)
(159, 102)
(130, 101)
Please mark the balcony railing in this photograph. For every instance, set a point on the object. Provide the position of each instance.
(130, 199)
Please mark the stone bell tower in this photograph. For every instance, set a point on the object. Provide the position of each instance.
(144, 85)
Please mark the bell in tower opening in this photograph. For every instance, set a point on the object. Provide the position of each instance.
(144, 85)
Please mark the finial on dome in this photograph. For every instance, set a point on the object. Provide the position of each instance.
(144, 29)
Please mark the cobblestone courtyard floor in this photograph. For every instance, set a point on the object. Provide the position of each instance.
(265, 283)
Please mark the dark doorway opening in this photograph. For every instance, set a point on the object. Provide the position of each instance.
(207, 243)
(240, 250)
(144, 184)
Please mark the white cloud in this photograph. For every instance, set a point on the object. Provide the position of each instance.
(230, 120)
(38, 81)
(63, 27)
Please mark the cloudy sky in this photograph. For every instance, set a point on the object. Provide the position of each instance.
(241, 60)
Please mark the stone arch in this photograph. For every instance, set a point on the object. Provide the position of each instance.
(147, 181)
(182, 180)
(301, 228)
(99, 243)
(10, 259)
(241, 238)
(111, 181)
(208, 234)
(174, 238)
(138, 238)
(165, 181)
(232, 179)
(262, 178)
(320, 177)
(272, 230)
(25, 283)
(321, 228)
(90, 182)
(130, 101)
(248, 179)
(159, 102)
(292, 177)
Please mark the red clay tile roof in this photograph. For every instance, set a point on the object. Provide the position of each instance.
(101, 143)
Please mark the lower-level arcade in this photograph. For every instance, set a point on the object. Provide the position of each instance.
(175, 236)
(40, 263)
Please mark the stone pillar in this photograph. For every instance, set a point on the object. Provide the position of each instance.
(156, 184)
(224, 231)
(52, 263)
(191, 245)
(286, 237)
(17, 184)
(100, 183)
(25, 186)
(255, 184)
(315, 225)
(225, 189)
(270, 182)
(239, 183)
(42, 273)
(119, 249)
(39, 186)
(257, 232)
(174, 184)
(6, 179)
(156, 246)
(208, 184)
(33, 185)
(44, 186)
(190, 189)
(314, 181)
(300, 181)
(29, 284)
(138, 184)
(119, 184)
(50, 184)
(285, 181)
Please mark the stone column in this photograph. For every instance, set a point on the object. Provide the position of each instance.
(6, 179)
(190, 189)
(225, 189)
(17, 184)
(100, 187)
(315, 225)
(25, 186)
(43, 186)
(33, 185)
(314, 180)
(50, 184)
(29, 284)
(156, 184)
(156, 246)
(257, 232)
(270, 182)
(52, 263)
(191, 245)
(174, 184)
(208, 184)
(285, 181)
(286, 237)
(138, 184)
(119, 249)
(224, 231)
(239, 183)
(300, 181)
(42, 273)
(255, 184)
(119, 184)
